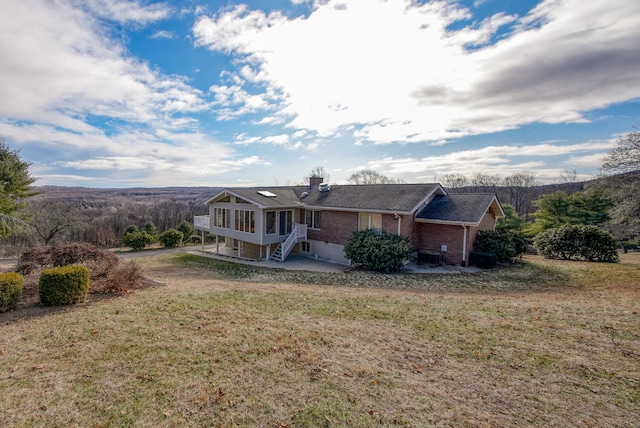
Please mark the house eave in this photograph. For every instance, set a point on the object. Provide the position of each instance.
(354, 210)
(448, 222)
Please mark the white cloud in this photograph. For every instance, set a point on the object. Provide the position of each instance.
(77, 93)
(496, 160)
(57, 69)
(125, 11)
(396, 70)
(162, 34)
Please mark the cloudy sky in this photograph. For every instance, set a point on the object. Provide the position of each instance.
(114, 93)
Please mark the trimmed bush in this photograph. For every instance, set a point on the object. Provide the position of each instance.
(377, 251)
(137, 240)
(10, 290)
(63, 285)
(578, 242)
(505, 244)
(171, 238)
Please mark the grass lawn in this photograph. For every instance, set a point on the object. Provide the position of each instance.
(545, 343)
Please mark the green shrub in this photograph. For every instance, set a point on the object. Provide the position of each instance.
(578, 242)
(64, 285)
(171, 238)
(377, 251)
(505, 244)
(137, 240)
(10, 290)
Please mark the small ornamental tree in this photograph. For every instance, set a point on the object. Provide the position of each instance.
(151, 229)
(187, 230)
(10, 290)
(507, 245)
(137, 240)
(578, 242)
(377, 251)
(171, 238)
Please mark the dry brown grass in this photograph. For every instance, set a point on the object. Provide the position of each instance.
(545, 344)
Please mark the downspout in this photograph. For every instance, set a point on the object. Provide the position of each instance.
(399, 223)
(464, 244)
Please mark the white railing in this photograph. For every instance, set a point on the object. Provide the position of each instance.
(299, 234)
(201, 222)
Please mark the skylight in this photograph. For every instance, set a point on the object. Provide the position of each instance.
(267, 193)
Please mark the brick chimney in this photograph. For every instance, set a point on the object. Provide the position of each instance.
(314, 181)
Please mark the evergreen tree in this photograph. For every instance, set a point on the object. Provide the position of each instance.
(15, 186)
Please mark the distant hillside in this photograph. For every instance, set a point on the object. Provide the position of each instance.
(95, 197)
(113, 197)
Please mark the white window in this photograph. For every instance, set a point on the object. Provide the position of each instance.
(369, 221)
(285, 222)
(221, 217)
(245, 221)
(271, 223)
(312, 219)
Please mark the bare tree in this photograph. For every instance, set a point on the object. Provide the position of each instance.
(520, 187)
(570, 181)
(486, 182)
(317, 171)
(370, 176)
(53, 220)
(625, 187)
(625, 157)
(454, 181)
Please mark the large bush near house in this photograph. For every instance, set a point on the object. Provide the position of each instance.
(171, 238)
(507, 245)
(578, 242)
(377, 251)
(10, 290)
(64, 285)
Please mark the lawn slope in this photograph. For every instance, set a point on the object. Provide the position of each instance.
(216, 344)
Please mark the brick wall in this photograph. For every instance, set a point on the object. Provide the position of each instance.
(337, 227)
(432, 236)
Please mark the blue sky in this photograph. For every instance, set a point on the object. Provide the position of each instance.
(112, 93)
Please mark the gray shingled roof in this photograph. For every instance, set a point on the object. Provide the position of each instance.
(376, 197)
(373, 197)
(457, 207)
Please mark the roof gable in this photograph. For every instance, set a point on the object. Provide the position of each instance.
(284, 197)
(460, 208)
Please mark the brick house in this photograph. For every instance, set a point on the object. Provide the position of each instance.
(316, 220)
